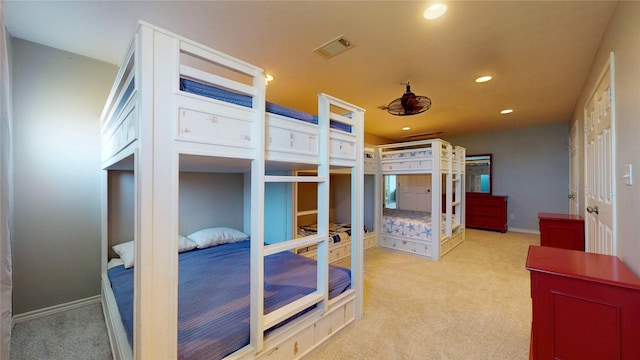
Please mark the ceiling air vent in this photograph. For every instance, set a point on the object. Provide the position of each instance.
(423, 136)
(334, 47)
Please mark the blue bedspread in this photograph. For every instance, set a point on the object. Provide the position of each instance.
(213, 295)
(197, 88)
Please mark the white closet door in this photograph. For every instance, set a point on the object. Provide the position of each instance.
(599, 173)
(574, 171)
(414, 192)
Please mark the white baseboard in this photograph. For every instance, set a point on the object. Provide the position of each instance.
(527, 231)
(36, 314)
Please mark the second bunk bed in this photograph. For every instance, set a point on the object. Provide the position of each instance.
(423, 188)
(198, 253)
(305, 207)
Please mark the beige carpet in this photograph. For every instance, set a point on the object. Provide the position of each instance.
(77, 334)
(473, 304)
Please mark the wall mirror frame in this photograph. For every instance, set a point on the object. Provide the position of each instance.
(479, 174)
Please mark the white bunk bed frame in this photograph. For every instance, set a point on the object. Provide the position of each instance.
(339, 253)
(371, 167)
(436, 157)
(151, 127)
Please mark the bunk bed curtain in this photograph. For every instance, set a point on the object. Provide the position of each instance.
(213, 295)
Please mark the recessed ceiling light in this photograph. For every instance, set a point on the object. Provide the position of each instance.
(506, 111)
(435, 11)
(485, 78)
(267, 78)
(406, 128)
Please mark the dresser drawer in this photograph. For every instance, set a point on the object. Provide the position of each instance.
(494, 221)
(486, 212)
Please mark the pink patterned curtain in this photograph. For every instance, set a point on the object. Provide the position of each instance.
(6, 166)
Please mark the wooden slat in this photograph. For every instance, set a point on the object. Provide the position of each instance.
(219, 58)
(316, 179)
(216, 80)
(293, 243)
(342, 119)
(277, 316)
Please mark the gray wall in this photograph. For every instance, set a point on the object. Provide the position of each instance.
(621, 37)
(530, 165)
(206, 200)
(6, 190)
(57, 100)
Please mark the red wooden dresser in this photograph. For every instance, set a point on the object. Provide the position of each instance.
(484, 211)
(562, 231)
(585, 306)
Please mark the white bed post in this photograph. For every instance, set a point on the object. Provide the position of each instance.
(461, 153)
(324, 114)
(379, 194)
(156, 267)
(436, 197)
(257, 218)
(357, 217)
(449, 192)
(154, 316)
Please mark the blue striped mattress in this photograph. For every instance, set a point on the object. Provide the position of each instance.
(213, 92)
(213, 295)
(338, 232)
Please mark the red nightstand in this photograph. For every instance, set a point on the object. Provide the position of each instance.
(585, 306)
(561, 231)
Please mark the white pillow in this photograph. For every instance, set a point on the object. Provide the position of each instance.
(126, 250)
(216, 236)
(126, 253)
(185, 244)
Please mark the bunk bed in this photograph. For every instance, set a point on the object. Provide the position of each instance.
(178, 107)
(422, 212)
(305, 217)
(304, 220)
(371, 191)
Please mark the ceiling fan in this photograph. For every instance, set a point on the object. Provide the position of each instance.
(409, 103)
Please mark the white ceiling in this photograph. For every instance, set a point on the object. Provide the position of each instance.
(538, 52)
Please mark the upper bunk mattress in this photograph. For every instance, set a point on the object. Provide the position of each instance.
(213, 295)
(213, 92)
(407, 154)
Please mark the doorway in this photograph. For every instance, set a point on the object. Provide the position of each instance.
(600, 188)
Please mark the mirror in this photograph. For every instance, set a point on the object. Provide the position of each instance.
(478, 173)
(407, 192)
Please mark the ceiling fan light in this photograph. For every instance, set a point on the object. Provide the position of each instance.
(435, 11)
(409, 104)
